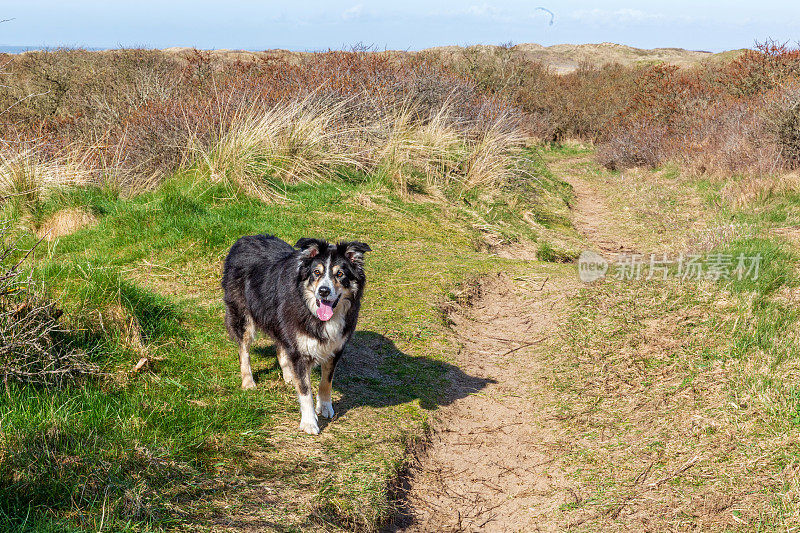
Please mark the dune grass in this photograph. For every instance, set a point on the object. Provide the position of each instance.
(257, 150)
(178, 442)
(680, 396)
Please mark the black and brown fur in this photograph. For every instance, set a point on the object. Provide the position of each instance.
(280, 290)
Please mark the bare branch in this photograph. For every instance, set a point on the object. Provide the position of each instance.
(32, 345)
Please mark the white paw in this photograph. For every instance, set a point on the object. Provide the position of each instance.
(288, 377)
(325, 409)
(248, 383)
(309, 426)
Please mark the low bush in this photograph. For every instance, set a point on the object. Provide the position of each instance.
(140, 115)
(33, 347)
(735, 116)
(784, 123)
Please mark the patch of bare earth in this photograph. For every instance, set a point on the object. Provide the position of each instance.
(518, 250)
(591, 214)
(590, 218)
(494, 460)
(638, 211)
(65, 222)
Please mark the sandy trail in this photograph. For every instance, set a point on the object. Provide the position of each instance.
(590, 213)
(493, 461)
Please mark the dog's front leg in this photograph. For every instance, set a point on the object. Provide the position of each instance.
(324, 404)
(248, 336)
(286, 364)
(302, 382)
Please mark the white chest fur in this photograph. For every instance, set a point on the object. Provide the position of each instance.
(322, 350)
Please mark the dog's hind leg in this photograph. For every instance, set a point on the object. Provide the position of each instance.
(286, 364)
(248, 336)
(324, 404)
(302, 382)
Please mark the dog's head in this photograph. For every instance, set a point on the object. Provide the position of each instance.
(330, 275)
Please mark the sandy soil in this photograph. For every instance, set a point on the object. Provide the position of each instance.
(494, 460)
(493, 464)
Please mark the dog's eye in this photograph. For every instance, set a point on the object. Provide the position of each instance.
(339, 275)
(318, 273)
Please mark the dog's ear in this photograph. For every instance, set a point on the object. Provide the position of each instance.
(354, 251)
(309, 248)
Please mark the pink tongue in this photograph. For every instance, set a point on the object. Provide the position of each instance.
(324, 311)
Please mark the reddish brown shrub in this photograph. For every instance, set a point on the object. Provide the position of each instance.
(736, 117)
(739, 116)
(140, 110)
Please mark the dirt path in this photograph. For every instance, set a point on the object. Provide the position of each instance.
(590, 214)
(504, 459)
(493, 462)
(591, 220)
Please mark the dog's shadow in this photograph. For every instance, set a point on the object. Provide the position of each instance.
(373, 372)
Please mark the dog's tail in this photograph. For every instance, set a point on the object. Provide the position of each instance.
(235, 322)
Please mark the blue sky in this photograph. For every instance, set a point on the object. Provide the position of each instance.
(404, 24)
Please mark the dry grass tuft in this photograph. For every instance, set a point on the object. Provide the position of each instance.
(310, 140)
(27, 174)
(129, 328)
(65, 222)
(754, 189)
(492, 157)
(417, 154)
(299, 141)
(432, 154)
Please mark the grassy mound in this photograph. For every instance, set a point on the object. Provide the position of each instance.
(174, 440)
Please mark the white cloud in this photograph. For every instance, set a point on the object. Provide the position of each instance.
(618, 16)
(354, 12)
(481, 10)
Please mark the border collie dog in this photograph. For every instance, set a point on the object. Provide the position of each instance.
(306, 298)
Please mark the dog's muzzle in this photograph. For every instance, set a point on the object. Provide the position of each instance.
(326, 304)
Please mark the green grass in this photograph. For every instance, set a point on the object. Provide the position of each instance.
(180, 442)
(656, 373)
(647, 373)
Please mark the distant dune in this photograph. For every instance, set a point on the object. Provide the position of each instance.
(562, 58)
(567, 57)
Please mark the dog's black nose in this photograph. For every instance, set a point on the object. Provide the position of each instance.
(324, 292)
